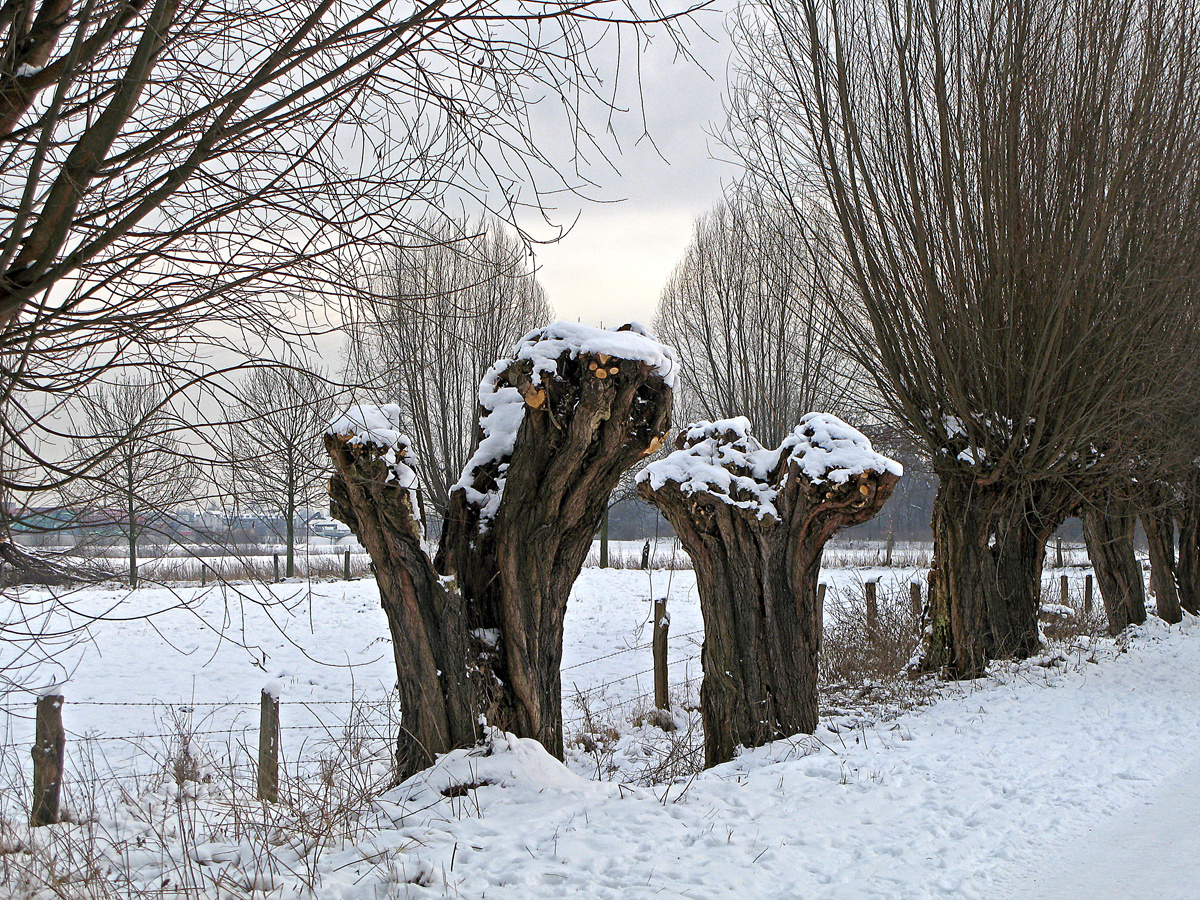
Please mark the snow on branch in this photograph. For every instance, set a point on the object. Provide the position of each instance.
(826, 449)
(720, 458)
(632, 341)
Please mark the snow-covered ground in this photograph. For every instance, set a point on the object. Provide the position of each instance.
(1033, 782)
(979, 795)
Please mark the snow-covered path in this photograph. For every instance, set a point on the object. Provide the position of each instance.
(1145, 850)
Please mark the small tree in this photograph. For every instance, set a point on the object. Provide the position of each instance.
(275, 459)
(477, 629)
(754, 522)
(141, 471)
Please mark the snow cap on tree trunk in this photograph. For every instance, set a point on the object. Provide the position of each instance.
(544, 346)
(725, 460)
(379, 426)
(503, 405)
(826, 449)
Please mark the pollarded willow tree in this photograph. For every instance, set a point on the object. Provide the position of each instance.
(1187, 564)
(1109, 523)
(755, 521)
(1014, 186)
(1158, 522)
(477, 628)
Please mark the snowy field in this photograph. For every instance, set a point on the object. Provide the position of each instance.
(1030, 782)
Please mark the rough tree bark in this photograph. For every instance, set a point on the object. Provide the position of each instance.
(989, 546)
(1159, 524)
(1187, 567)
(477, 631)
(754, 522)
(1108, 529)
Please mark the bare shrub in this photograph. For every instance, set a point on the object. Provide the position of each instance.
(626, 741)
(1068, 624)
(142, 831)
(853, 653)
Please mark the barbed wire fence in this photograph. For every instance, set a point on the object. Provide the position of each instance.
(185, 726)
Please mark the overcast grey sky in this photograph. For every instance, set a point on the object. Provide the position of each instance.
(613, 264)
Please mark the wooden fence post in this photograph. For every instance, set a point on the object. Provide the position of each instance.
(1087, 595)
(268, 747)
(646, 556)
(276, 558)
(872, 611)
(1058, 557)
(662, 623)
(1062, 590)
(346, 573)
(914, 597)
(49, 750)
(891, 542)
(821, 596)
(203, 574)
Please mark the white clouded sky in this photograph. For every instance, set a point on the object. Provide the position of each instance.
(613, 264)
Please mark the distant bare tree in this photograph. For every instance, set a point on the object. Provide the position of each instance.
(274, 457)
(754, 329)
(146, 473)
(452, 302)
(1014, 187)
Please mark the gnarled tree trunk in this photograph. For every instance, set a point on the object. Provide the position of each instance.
(1159, 524)
(754, 523)
(441, 685)
(989, 545)
(1108, 529)
(1187, 567)
(477, 631)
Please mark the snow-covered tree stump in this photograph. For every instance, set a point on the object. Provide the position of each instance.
(477, 629)
(754, 522)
